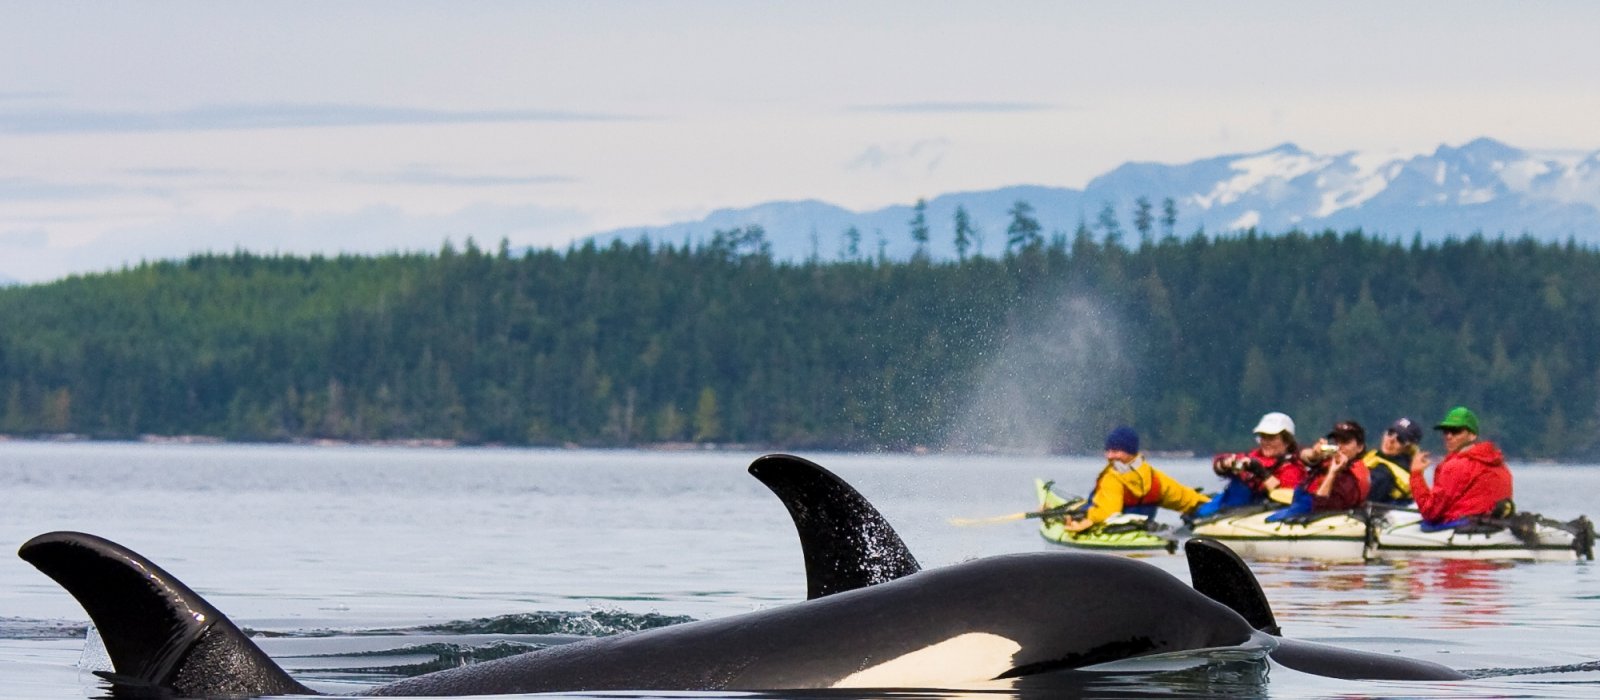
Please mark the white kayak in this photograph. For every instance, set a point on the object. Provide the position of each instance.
(1376, 532)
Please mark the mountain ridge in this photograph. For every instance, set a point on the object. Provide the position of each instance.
(1482, 186)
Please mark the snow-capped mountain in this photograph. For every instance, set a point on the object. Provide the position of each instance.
(1483, 186)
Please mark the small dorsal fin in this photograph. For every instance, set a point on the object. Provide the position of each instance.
(158, 632)
(1219, 574)
(847, 544)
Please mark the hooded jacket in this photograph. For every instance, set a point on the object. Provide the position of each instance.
(1468, 482)
(1138, 484)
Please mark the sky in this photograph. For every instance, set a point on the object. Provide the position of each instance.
(141, 131)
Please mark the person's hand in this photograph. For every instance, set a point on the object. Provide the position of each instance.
(1077, 524)
(1420, 461)
(1224, 465)
(1338, 462)
(1271, 483)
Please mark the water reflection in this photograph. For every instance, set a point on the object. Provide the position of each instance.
(1450, 593)
(1461, 592)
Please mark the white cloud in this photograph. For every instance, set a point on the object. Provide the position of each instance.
(956, 107)
(266, 116)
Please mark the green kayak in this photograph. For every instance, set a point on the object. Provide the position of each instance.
(1124, 532)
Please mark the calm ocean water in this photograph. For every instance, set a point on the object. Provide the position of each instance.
(358, 565)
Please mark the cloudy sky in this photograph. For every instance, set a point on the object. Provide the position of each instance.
(136, 131)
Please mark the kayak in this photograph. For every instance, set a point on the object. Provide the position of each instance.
(1124, 532)
(1377, 532)
(1522, 536)
(1334, 536)
(1369, 533)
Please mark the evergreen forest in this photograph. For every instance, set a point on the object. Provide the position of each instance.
(1047, 346)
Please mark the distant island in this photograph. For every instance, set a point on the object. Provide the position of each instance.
(1040, 345)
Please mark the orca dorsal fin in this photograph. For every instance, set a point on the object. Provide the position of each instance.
(846, 542)
(1219, 574)
(158, 632)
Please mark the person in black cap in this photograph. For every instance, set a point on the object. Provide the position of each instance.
(1128, 484)
(1338, 479)
(1389, 464)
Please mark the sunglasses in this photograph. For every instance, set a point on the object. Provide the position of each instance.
(1452, 431)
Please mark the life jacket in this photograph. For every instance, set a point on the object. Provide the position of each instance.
(1151, 496)
(1363, 477)
(1399, 477)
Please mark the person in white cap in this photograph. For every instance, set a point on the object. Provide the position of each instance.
(1273, 464)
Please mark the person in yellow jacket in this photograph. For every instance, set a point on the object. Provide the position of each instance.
(1128, 484)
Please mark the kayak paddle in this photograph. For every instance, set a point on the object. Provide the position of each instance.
(1010, 517)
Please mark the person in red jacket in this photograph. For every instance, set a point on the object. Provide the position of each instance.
(1337, 479)
(1252, 476)
(1472, 480)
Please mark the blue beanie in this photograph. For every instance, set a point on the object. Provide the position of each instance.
(1123, 438)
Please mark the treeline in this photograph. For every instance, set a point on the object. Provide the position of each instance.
(1188, 339)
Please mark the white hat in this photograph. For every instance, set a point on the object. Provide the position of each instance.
(1274, 423)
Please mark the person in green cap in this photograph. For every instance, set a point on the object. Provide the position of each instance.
(1472, 480)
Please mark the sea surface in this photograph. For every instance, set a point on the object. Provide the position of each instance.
(358, 565)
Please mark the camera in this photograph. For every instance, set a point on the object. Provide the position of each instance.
(1327, 449)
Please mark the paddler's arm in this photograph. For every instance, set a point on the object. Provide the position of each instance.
(1078, 524)
(1106, 502)
(1325, 488)
(1421, 494)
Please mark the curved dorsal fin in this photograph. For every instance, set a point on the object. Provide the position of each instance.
(158, 632)
(1219, 574)
(847, 544)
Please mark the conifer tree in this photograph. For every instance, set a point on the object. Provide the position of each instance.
(964, 232)
(852, 243)
(1143, 221)
(919, 228)
(1169, 217)
(1023, 232)
(1109, 226)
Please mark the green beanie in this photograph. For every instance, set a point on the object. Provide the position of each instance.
(1459, 417)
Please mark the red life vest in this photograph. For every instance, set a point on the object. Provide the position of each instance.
(1151, 496)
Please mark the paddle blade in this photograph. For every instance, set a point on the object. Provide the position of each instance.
(1219, 574)
(1007, 518)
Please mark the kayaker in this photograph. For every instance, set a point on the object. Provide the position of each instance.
(1128, 484)
(1472, 480)
(1273, 464)
(1337, 477)
(1391, 482)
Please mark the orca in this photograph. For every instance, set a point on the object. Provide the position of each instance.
(853, 546)
(872, 619)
